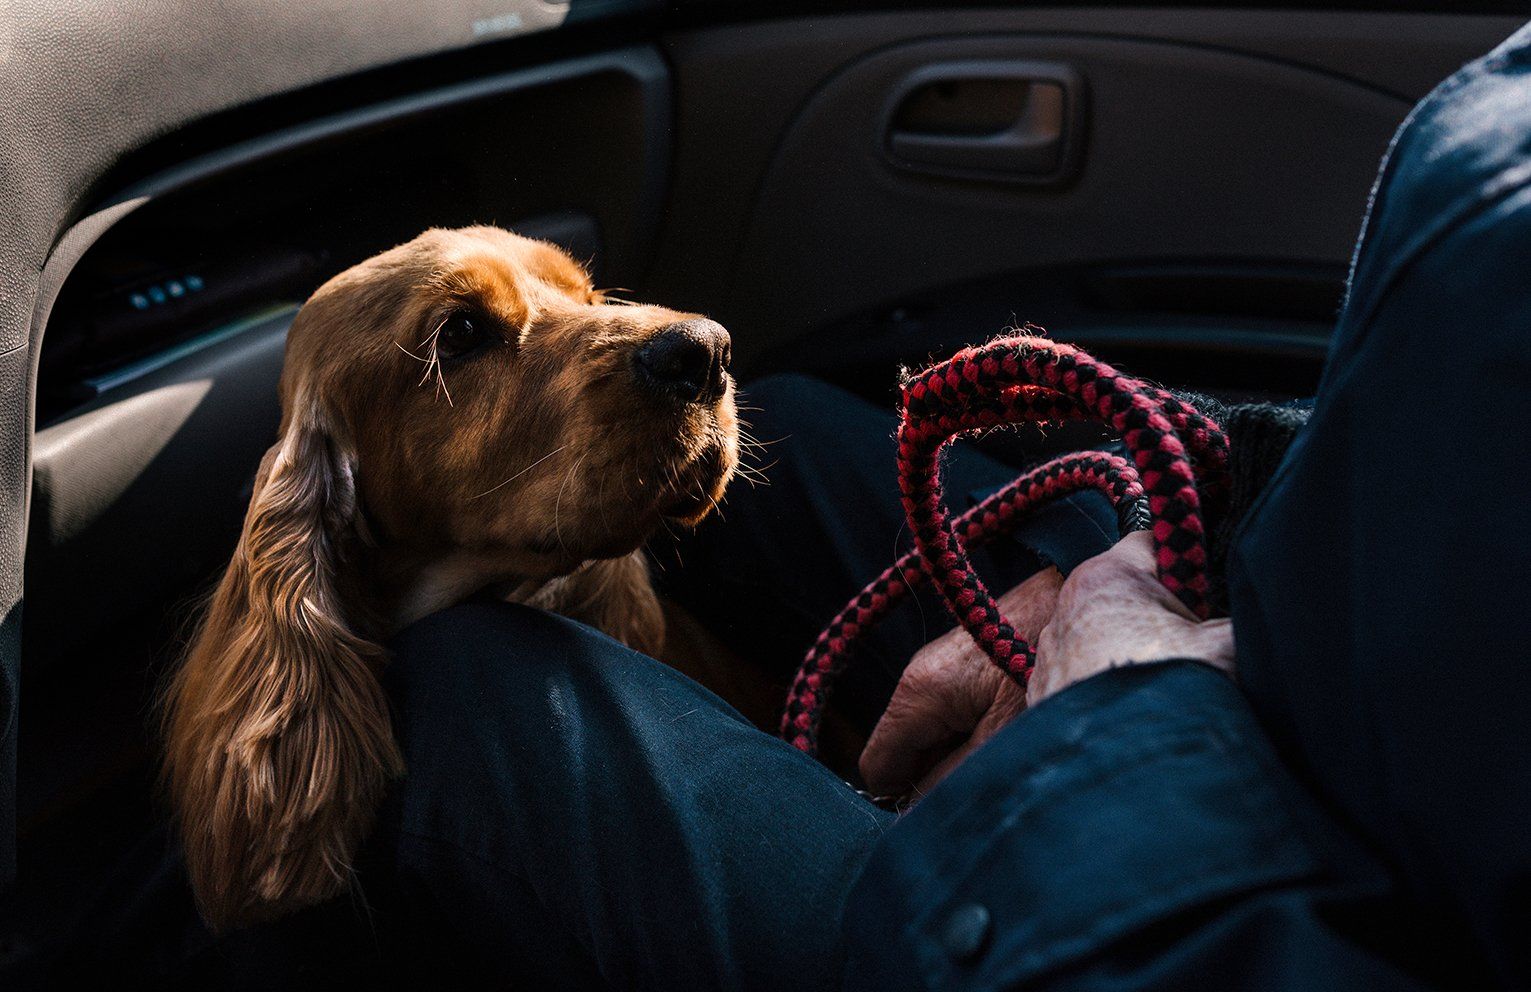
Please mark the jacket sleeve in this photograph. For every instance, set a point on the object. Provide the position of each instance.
(1133, 832)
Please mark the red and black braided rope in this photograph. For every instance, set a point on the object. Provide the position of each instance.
(1026, 379)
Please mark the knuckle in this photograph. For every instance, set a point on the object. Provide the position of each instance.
(935, 653)
(911, 684)
(921, 683)
(1082, 578)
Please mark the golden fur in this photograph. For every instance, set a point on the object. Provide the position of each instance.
(402, 482)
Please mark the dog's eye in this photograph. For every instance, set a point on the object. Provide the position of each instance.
(459, 334)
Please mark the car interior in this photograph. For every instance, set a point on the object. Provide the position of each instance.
(850, 188)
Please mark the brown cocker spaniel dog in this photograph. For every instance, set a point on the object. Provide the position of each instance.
(462, 412)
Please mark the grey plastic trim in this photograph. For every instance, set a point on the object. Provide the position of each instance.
(640, 62)
(107, 480)
(137, 370)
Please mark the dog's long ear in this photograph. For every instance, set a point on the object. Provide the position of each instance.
(279, 744)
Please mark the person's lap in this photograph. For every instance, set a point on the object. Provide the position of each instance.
(576, 813)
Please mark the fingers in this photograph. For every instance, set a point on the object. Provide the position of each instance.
(1129, 567)
(1007, 706)
(1114, 611)
(1136, 550)
(1217, 647)
(951, 698)
(1030, 605)
(941, 697)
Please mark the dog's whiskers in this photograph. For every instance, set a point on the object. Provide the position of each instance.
(432, 362)
(558, 500)
(750, 448)
(518, 475)
(606, 296)
(753, 441)
(425, 361)
(713, 500)
(756, 477)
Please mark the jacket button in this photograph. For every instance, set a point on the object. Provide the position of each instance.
(966, 931)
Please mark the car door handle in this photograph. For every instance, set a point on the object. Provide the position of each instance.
(1000, 121)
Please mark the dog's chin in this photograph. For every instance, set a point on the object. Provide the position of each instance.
(686, 512)
(685, 508)
(688, 508)
(701, 487)
(624, 523)
(614, 548)
(558, 557)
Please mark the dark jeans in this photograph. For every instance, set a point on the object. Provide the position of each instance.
(577, 815)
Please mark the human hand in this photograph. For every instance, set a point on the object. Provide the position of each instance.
(951, 698)
(1113, 611)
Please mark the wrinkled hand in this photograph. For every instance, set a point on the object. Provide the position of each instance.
(1112, 611)
(951, 698)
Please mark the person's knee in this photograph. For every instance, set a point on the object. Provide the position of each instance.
(487, 660)
(479, 680)
(473, 684)
(505, 712)
(489, 698)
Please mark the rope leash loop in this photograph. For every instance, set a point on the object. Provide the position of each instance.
(1024, 379)
(948, 400)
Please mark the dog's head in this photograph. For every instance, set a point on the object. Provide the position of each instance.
(490, 399)
(466, 396)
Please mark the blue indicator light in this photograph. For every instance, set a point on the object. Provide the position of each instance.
(139, 301)
(175, 289)
(157, 294)
(194, 283)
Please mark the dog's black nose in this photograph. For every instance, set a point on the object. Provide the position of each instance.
(686, 361)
